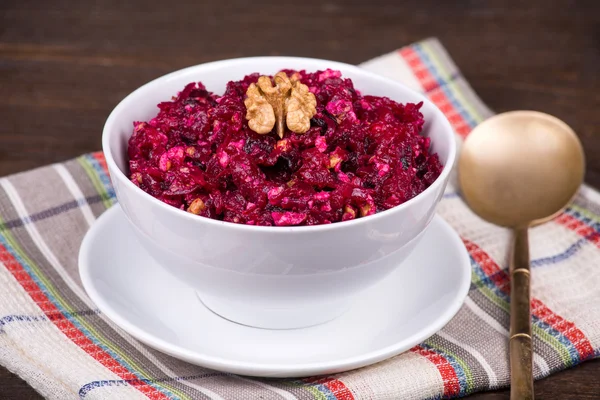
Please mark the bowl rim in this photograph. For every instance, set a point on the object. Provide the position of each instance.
(178, 213)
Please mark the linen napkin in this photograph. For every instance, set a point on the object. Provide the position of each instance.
(52, 335)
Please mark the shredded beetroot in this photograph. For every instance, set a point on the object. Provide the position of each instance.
(362, 155)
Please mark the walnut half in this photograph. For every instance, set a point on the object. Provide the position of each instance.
(300, 107)
(288, 101)
(259, 113)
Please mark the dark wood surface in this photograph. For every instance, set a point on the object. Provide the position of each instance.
(65, 64)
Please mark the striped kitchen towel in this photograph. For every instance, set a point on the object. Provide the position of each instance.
(53, 337)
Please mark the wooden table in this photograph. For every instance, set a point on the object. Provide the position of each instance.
(65, 64)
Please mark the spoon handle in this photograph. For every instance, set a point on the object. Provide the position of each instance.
(521, 352)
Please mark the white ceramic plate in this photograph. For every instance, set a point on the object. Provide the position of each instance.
(142, 298)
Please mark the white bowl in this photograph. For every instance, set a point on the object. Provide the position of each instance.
(272, 277)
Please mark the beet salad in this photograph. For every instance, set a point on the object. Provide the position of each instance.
(298, 148)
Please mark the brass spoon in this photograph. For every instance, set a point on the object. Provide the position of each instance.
(518, 169)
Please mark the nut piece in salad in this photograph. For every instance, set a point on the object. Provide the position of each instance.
(288, 102)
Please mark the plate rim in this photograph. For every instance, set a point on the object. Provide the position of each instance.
(259, 369)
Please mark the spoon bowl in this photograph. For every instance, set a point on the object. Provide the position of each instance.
(520, 167)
